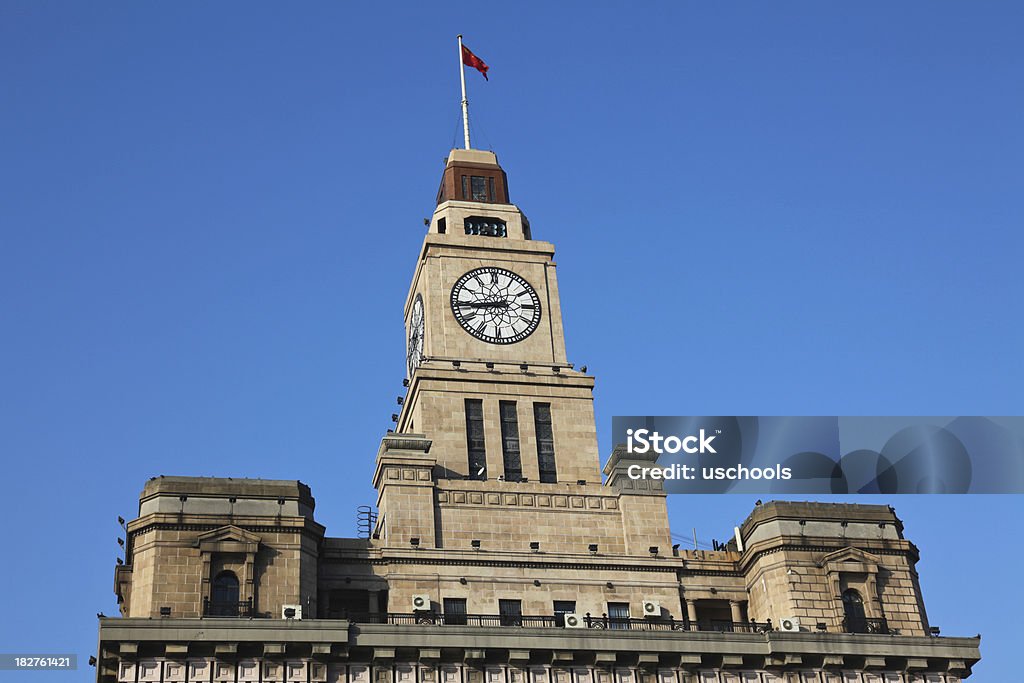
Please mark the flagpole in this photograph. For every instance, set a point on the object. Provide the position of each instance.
(465, 102)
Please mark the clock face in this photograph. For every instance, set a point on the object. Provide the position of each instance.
(496, 305)
(414, 349)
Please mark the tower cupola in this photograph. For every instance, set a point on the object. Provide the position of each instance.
(473, 198)
(473, 175)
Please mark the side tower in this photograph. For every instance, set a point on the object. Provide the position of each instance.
(845, 566)
(209, 547)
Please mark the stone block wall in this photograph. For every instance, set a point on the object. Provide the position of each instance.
(645, 520)
(590, 586)
(166, 573)
(899, 590)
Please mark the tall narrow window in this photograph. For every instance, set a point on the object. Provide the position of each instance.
(465, 187)
(510, 441)
(618, 615)
(478, 184)
(454, 611)
(545, 442)
(475, 438)
(490, 189)
(510, 612)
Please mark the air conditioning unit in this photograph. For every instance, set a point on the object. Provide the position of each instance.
(573, 620)
(652, 608)
(421, 603)
(790, 625)
(291, 611)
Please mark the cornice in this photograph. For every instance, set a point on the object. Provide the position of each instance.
(316, 534)
(824, 545)
(505, 562)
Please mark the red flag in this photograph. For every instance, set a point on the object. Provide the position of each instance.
(470, 59)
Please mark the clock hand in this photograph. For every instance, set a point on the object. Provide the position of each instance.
(484, 304)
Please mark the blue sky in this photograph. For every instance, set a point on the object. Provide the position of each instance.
(209, 216)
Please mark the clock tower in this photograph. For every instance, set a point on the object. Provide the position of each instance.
(496, 420)
(489, 382)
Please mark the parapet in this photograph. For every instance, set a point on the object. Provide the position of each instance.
(226, 496)
(845, 520)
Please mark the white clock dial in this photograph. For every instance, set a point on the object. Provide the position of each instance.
(496, 305)
(414, 349)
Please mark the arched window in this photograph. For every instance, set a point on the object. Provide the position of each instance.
(224, 600)
(225, 589)
(853, 607)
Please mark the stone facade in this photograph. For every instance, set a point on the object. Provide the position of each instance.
(528, 564)
(190, 530)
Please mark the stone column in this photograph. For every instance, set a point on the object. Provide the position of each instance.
(871, 584)
(691, 612)
(737, 614)
(250, 590)
(204, 585)
(837, 591)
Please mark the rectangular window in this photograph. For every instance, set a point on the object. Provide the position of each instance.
(343, 603)
(475, 438)
(510, 612)
(442, 226)
(490, 189)
(563, 607)
(479, 187)
(618, 615)
(510, 441)
(545, 442)
(454, 611)
(465, 187)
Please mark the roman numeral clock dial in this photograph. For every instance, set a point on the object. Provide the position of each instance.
(414, 348)
(496, 305)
